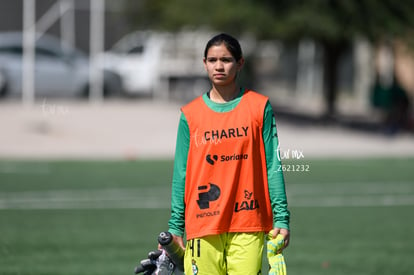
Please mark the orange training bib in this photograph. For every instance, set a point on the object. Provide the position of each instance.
(226, 184)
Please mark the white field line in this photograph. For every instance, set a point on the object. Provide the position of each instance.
(145, 198)
(23, 168)
(353, 201)
(351, 194)
(299, 195)
(351, 188)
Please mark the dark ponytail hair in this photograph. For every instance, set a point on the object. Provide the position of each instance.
(231, 43)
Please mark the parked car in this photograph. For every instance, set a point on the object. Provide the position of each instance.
(59, 70)
(2, 83)
(158, 62)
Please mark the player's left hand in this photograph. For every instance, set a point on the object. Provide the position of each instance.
(285, 233)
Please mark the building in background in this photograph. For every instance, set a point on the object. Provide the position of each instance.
(11, 19)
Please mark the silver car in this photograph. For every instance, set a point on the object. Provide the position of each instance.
(59, 70)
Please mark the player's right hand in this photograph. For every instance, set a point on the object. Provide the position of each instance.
(179, 240)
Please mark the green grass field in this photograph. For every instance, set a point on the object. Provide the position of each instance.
(90, 217)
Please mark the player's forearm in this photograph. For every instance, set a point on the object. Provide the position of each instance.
(177, 223)
(277, 191)
(275, 177)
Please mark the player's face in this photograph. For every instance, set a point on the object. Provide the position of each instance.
(221, 66)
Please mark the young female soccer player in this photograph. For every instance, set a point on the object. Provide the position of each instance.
(227, 191)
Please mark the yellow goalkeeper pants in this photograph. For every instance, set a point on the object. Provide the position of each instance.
(227, 253)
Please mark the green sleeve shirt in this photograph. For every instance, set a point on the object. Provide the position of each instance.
(275, 176)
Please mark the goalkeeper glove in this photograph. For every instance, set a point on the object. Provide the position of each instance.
(275, 258)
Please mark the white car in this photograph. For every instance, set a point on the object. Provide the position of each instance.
(59, 69)
(151, 62)
(136, 57)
